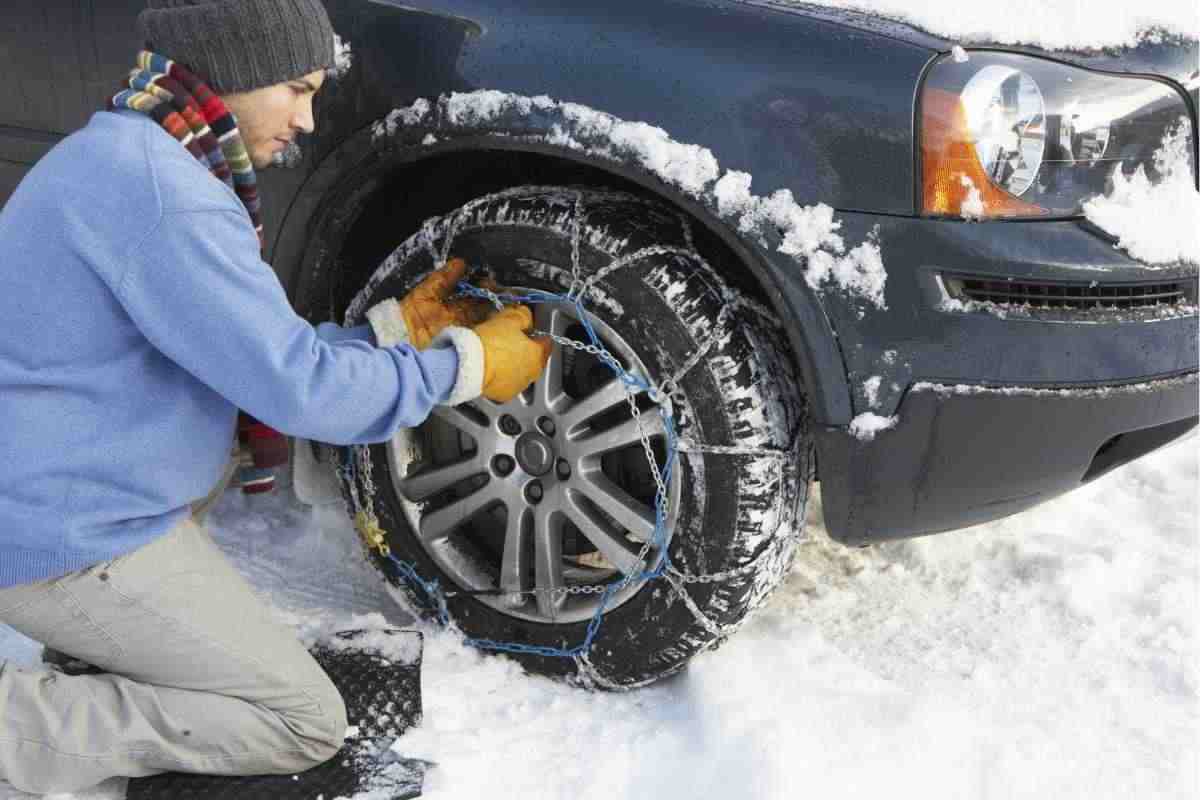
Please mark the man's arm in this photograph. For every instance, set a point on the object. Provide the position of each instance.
(198, 291)
(331, 333)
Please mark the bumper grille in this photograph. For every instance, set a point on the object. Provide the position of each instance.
(1078, 296)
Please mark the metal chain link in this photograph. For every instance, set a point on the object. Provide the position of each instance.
(359, 464)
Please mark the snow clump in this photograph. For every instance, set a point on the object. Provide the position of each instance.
(468, 109)
(341, 57)
(972, 206)
(871, 390)
(1157, 223)
(688, 166)
(866, 425)
(809, 233)
(402, 117)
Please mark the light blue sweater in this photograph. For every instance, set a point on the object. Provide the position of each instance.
(136, 317)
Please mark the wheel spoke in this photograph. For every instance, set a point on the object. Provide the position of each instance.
(627, 510)
(428, 481)
(622, 435)
(515, 560)
(599, 532)
(438, 524)
(578, 573)
(600, 400)
(548, 566)
(452, 415)
(548, 389)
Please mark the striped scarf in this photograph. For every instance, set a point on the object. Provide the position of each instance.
(187, 109)
(191, 112)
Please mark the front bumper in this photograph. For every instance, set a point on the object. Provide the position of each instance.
(961, 455)
(998, 408)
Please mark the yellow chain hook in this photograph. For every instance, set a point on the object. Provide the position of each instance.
(371, 532)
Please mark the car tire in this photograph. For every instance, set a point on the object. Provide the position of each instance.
(738, 489)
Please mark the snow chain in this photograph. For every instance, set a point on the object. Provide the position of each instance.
(356, 461)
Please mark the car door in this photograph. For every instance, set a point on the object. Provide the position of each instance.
(60, 60)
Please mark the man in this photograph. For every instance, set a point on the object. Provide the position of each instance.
(136, 318)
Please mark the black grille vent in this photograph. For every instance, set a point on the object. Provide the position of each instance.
(1080, 296)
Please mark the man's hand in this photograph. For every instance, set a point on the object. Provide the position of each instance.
(427, 309)
(511, 359)
(470, 311)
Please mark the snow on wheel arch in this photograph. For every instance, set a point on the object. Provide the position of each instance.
(809, 234)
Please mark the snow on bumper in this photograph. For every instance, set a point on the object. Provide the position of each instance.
(962, 455)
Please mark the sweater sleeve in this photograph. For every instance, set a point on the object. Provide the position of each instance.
(332, 332)
(198, 290)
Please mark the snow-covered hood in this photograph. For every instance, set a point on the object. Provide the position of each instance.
(1161, 38)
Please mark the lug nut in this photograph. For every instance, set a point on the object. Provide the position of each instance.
(509, 425)
(503, 464)
(533, 492)
(562, 469)
(546, 425)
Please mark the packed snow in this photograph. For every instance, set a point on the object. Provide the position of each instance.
(1053, 25)
(1157, 222)
(1149, 387)
(809, 233)
(1052, 654)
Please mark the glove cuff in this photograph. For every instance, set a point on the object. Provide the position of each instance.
(387, 321)
(469, 383)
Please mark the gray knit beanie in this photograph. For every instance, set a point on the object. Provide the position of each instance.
(240, 45)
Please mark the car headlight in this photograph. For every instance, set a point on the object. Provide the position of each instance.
(1010, 135)
(1006, 118)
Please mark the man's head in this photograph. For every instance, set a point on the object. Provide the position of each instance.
(265, 58)
(269, 118)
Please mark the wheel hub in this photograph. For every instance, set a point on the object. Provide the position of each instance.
(535, 453)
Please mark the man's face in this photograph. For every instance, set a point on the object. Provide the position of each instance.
(269, 118)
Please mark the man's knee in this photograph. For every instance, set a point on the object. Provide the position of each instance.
(321, 727)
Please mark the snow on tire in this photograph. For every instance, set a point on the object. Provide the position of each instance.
(454, 496)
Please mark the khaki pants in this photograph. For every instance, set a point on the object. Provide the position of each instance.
(198, 676)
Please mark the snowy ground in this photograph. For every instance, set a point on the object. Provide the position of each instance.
(1050, 655)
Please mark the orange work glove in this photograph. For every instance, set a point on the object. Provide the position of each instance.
(426, 309)
(511, 359)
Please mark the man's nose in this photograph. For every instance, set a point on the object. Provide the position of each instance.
(302, 120)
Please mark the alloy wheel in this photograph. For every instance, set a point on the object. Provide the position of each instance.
(543, 500)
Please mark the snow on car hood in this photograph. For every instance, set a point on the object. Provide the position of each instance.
(1156, 222)
(809, 233)
(1053, 26)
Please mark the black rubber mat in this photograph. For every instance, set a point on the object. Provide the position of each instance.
(383, 700)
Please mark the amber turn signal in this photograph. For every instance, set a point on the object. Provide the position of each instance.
(948, 156)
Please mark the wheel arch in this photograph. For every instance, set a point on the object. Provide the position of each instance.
(331, 235)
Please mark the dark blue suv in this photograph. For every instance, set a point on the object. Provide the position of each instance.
(810, 245)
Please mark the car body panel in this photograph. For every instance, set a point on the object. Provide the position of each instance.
(820, 109)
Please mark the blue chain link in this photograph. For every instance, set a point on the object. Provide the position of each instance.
(431, 589)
